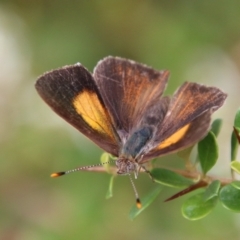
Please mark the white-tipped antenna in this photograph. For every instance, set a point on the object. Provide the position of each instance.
(58, 174)
(138, 202)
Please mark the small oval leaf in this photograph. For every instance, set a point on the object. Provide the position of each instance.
(216, 126)
(230, 198)
(236, 184)
(208, 152)
(105, 161)
(212, 190)
(185, 153)
(234, 146)
(237, 119)
(235, 165)
(196, 208)
(110, 188)
(146, 201)
(169, 178)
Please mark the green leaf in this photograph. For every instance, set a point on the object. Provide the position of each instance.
(185, 153)
(236, 184)
(234, 139)
(105, 161)
(110, 188)
(196, 208)
(234, 146)
(169, 178)
(212, 190)
(230, 197)
(208, 152)
(146, 201)
(216, 126)
(235, 165)
(237, 119)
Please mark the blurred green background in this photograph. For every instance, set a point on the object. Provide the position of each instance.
(196, 40)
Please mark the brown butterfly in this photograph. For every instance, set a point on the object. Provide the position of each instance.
(120, 107)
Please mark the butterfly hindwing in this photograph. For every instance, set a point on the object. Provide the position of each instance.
(187, 119)
(190, 101)
(184, 137)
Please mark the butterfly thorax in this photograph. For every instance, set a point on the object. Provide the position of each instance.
(133, 150)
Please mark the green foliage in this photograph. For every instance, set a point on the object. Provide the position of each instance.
(235, 136)
(196, 207)
(110, 188)
(208, 152)
(185, 153)
(237, 120)
(235, 165)
(230, 197)
(169, 178)
(212, 190)
(216, 126)
(236, 184)
(105, 161)
(146, 201)
(234, 146)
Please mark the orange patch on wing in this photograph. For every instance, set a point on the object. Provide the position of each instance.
(177, 136)
(87, 105)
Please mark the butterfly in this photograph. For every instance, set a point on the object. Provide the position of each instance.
(121, 108)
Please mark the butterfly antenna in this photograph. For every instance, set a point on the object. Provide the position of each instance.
(58, 174)
(138, 202)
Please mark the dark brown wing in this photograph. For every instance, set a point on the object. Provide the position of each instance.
(72, 93)
(187, 119)
(128, 89)
(184, 137)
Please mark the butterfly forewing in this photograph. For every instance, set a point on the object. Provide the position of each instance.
(128, 89)
(72, 93)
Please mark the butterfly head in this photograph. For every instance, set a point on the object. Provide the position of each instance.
(126, 166)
